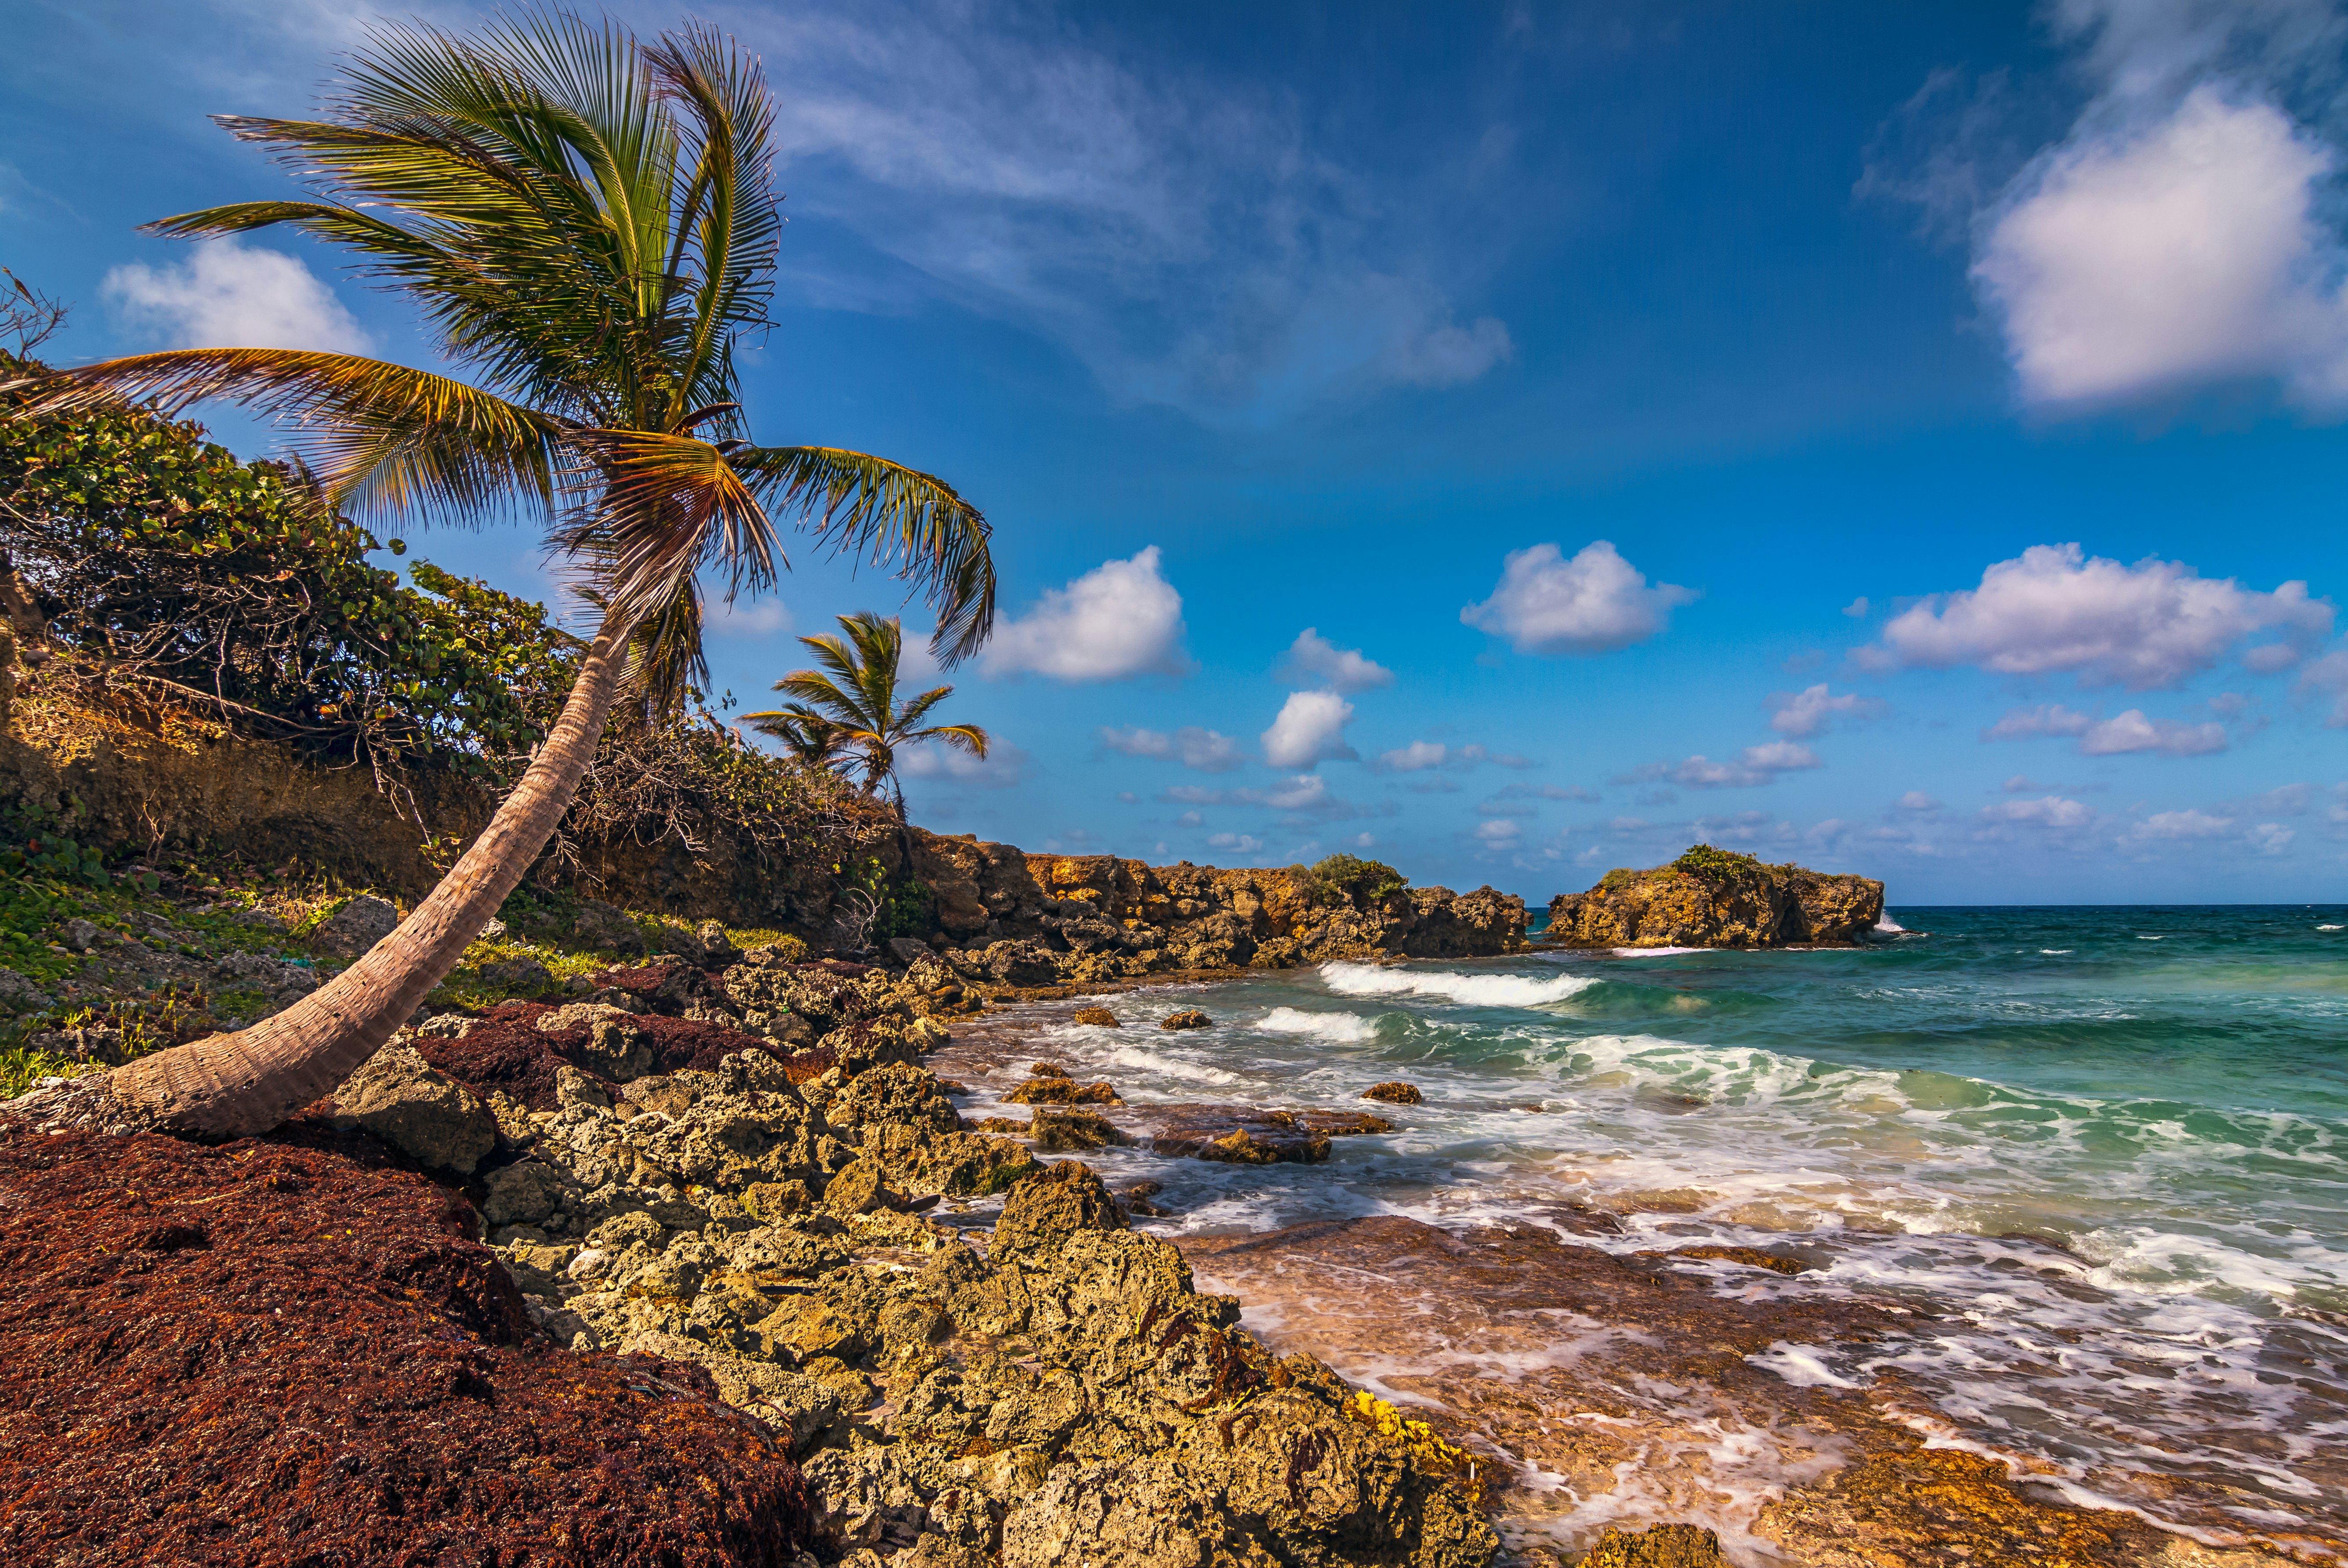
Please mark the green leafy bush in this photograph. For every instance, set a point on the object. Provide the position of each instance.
(172, 568)
(1707, 863)
(1342, 878)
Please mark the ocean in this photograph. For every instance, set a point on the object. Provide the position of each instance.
(2101, 1152)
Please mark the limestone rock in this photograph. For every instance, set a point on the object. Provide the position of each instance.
(427, 1115)
(355, 927)
(18, 995)
(1659, 1546)
(1395, 1093)
(525, 974)
(1721, 900)
(1186, 1018)
(1100, 1017)
(606, 927)
(1045, 1210)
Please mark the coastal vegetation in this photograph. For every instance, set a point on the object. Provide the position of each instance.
(847, 714)
(588, 225)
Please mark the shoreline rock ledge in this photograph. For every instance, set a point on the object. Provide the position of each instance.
(1716, 897)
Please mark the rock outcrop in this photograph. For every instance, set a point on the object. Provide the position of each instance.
(1063, 1393)
(1011, 918)
(1712, 899)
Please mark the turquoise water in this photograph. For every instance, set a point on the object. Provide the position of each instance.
(2108, 1147)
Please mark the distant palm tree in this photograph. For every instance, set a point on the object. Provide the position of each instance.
(851, 703)
(589, 226)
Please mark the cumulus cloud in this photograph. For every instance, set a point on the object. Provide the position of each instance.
(2270, 838)
(1119, 620)
(1593, 604)
(1917, 800)
(1203, 749)
(230, 295)
(1003, 766)
(1755, 765)
(1244, 843)
(1314, 660)
(2131, 731)
(2030, 723)
(748, 618)
(2328, 676)
(1417, 756)
(2054, 609)
(1498, 833)
(2180, 252)
(2180, 825)
(2051, 811)
(1545, 792)
(1309, 731)
(1808, 711)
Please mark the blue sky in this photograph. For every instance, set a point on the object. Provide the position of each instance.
(1902, 439)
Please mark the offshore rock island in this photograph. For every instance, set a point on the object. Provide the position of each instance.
(1716, 897)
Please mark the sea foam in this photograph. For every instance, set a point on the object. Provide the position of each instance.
(1469, 990)
(1346, 1028)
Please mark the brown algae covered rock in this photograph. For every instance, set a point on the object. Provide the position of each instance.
(1395, 1093)
(1186, 1018)
(1099, 1018)
(1659, 1546)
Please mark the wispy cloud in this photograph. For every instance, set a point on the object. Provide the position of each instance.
(1188, 236)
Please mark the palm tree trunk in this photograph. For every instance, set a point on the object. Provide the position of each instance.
(243, 1084)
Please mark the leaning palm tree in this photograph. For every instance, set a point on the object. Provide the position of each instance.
(852, 702)
(588, 225)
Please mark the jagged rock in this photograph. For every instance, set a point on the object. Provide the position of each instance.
(525, 974)
(1659, 1546)
(427, 1115)
(1074, 1132)
(81, 936)
(606, 927)
(907, 950)
(1395, 1093)
(358, 926)
(18, 995)
(715, 947)
(1099, 1016)
(1045, 1210)
(1186, 1018)
(1061, 1089)
(1716, 899)
(1020, 963)
(1243, 1135)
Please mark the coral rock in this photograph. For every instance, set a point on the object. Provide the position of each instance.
(1100, 1017)
(1187, 1018)
(1395, 1093)
(427, 1114)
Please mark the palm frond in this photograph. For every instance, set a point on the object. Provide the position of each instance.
(669, 504)
(898, 517)
(380, 437)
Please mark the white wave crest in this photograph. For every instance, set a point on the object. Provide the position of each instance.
(1343, 1028)
(1655, 951)
(1147, 1060)
(1470, 990)
(1889, 925)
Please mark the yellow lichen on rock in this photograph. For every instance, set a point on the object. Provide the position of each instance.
(1428, 1450)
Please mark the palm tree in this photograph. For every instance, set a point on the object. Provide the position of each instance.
(807, 737)
(589, 227)
(853, 709)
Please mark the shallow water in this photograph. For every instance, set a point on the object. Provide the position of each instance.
(2107, 1149)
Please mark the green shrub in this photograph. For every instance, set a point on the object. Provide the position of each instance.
(1342, 878)
(1704, 860)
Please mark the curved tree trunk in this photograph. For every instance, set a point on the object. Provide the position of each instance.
(239, 1085)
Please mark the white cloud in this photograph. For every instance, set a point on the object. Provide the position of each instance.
(1917, 800)
(756, 618)
(1807, 711)
(1593, 604)
(2288, 801)
(2185, 252)
(2175, 825)
(2030, 723)
(1498, 833)
(1364, 840)
(229, 296)
(1309, 731)
(1244, 843)
(1203, 749)
(1190, 236)
(1755, 765)
(1192, 795)
(1417, 756)
(2131, 731)
(2329, 674)
(1857, 609)
(2054, 609)
(2270, 838)
(1003, 766)
(1314, 660)
(1119, 620)
(2052, 811)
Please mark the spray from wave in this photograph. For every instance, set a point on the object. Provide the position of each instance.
(1469, 990)
(1345, 1028)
